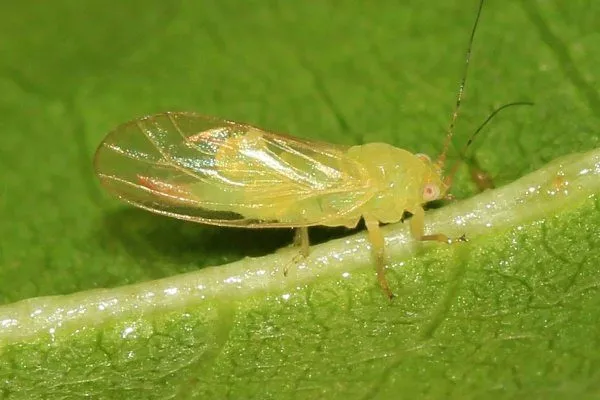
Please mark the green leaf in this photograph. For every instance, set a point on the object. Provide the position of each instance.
(510, 314)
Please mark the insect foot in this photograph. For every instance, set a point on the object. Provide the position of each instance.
(297, 259)
(440, 237)
(461, 238)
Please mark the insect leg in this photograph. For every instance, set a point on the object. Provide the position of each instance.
(378, 249)
(417, 228)
(302, 241)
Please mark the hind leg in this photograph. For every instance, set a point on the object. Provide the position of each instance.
(302, 243)
(302, 240)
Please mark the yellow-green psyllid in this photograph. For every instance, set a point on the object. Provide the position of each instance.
(219, 172)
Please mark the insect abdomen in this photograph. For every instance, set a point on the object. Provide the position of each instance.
(266, 181)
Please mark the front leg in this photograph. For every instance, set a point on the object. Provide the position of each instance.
(417, 228)
(481, 178)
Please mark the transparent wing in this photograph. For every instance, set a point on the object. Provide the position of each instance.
(213, 171)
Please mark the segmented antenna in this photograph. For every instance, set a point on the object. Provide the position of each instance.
(488, 119)
(462, 153)
(442, 158)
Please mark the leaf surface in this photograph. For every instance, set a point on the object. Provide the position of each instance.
(100, 300)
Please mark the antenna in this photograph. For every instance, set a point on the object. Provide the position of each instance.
(442, 158)
(463, 151)
(489, 118)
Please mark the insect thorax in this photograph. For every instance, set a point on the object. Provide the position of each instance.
(397, 178)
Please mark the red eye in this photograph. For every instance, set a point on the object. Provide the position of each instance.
(431, 192)
(423, 157)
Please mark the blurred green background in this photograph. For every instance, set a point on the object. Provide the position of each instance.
(343, 71)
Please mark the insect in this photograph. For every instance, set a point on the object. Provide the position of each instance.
(208, 170)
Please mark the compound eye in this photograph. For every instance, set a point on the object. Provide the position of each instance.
(423, 157)
(431, 192)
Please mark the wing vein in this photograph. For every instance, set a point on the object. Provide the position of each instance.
(220, 172)
(174, 123)
(167, 157)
